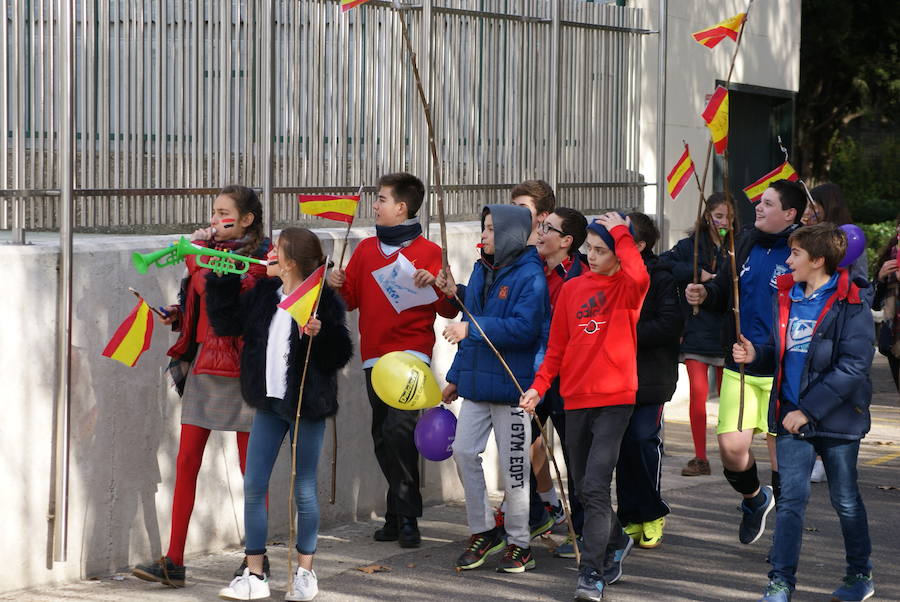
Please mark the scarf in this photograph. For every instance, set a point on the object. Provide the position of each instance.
(400, 235)
(237, 246)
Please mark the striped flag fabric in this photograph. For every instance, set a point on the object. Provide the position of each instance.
(338, 208)
(680, 174)
(348, 4)
(716, 117)
(783, 172)
(728, 28)
(302, 302)
(132, 337)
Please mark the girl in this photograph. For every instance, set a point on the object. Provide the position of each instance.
(205, 366)
(271, 369)
(887, 297)
(829, 205)
(701, 345)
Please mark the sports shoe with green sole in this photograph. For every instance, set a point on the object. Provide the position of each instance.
(652, 533)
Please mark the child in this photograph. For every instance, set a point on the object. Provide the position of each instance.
(271, 369)
(701, 345)
(593, 350)
(538, 197)
(507, 294)
(887, 298)
(382, 330)
(760, 256)
(206, 366)
(639, 470)
(821, 351)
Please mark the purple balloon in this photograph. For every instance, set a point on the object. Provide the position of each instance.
(435, 433)
(856, 244)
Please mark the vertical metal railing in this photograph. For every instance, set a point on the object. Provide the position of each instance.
(174, 97)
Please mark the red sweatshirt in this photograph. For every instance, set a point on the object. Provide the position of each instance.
(381, 328)
(593, 335)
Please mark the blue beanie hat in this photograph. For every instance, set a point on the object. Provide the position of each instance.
(601, 231)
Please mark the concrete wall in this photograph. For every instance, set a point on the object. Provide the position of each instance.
(125, 421)
(769, 56)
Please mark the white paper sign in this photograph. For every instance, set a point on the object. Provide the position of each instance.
(396, 282)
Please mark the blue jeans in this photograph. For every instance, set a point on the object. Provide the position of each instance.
(795, 462)
(266, 435)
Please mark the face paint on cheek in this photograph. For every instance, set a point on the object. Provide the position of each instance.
(479, 245)
(272, 257)
(227, 222)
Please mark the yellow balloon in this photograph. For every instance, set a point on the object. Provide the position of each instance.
(405, 382)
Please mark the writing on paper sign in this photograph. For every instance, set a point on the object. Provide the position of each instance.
(396, 282)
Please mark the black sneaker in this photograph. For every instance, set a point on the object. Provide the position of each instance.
(544, 525)
(240, 569)
(516, 560)
(162, 571)
(612, 564)
(481, 545)
(389, 532)
(753, 523)
(590, 585)
(409, 535)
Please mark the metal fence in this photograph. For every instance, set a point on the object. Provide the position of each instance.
(173, 99)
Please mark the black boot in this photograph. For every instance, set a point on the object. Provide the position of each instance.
(390, 531)
(409, 533)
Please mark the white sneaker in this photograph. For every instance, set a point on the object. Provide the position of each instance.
(306, 586)
(818, 472)
(246, 587)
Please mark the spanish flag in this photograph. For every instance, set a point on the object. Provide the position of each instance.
(302, 302)
(348, 4)
(711, 36)
(132, 338)
(716, 117)
(782, 172)
(680, 174)
(338, 208)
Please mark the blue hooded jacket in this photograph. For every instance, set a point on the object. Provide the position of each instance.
(508, 297)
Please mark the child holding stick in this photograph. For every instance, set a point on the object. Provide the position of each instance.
(272, 364)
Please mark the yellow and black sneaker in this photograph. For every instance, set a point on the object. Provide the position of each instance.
(162, 571)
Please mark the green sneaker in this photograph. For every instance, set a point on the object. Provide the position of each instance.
(652, 533)
(634, 531)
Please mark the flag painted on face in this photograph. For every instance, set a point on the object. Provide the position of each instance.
(782, 172)
(728, 28)
(132, 338)
(338, 208)
(301, 304)
(716, 117)
(680, 174)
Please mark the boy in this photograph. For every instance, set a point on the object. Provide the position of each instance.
(639, 470)
(382, 330)
(537, 196)
(760, 254)
(593, 350)
(821, 352)
(507, 294)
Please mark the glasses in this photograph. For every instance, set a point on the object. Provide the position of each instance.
(545, 227)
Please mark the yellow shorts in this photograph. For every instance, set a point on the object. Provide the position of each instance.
(756, 402)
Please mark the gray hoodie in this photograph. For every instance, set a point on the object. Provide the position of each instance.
(512, 227)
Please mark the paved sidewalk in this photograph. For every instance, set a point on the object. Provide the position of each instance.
(700, 558)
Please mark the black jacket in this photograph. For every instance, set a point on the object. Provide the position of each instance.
(250, 314)
(658, 335)
(702, 332)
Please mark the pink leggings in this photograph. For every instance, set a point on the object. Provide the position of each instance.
(698, 376)
(190, 456)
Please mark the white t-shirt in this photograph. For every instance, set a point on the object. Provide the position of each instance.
(277, 349)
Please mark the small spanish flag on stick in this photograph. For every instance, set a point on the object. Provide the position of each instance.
(680, 174)
(716, 117)
(132, 338)
(782, 172)
(301, 304)
(728, 28)
(348, 4)
(338, 208)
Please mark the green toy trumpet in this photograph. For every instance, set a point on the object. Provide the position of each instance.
(222, 262)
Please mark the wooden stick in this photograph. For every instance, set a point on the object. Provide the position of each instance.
(334, 449)
(293, 512)
(153, 309)
(347, 236)
(435, 160)
(700, 206)
(562, 492)
(734, 289)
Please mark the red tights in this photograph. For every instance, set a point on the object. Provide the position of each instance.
(698, 376)
(190, 456)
